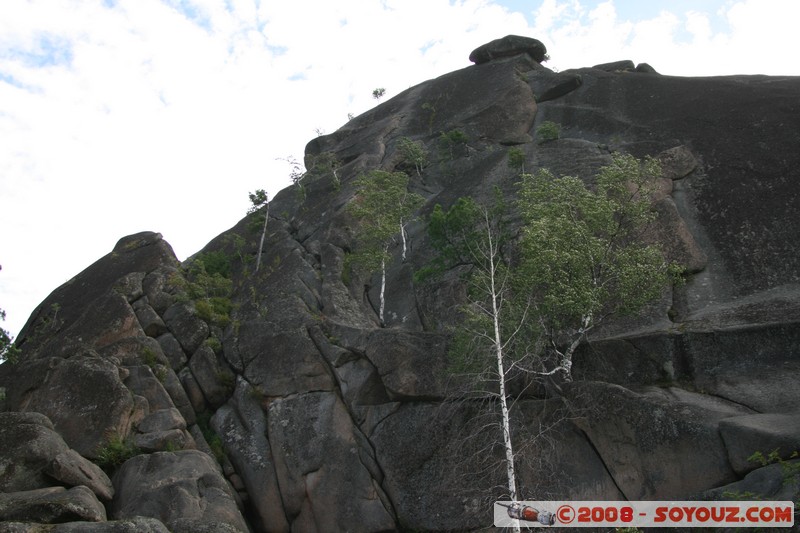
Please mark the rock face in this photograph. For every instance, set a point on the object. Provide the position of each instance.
(278, 403)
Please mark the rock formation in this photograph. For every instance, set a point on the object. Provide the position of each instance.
(219, 399)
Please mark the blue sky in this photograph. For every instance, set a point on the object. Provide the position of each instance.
(129, 115)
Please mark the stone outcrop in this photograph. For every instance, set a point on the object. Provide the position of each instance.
(509, 46)
(184, 490)
(296, 411)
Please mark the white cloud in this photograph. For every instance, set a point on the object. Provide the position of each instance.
(117, 117)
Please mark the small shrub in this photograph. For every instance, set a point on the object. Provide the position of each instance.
(413, 152)
(214, 343)
(327, 163)
(516, 159)
(216, 263)
(456, 137)
(149, 357)
(212, 439)
(226, 379)
(548, 131)
(115, 451)
(450, 142)
(788, 469)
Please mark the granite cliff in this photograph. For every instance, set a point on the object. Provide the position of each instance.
(275, 401)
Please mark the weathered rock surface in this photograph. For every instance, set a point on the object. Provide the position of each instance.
(72, 469)
(83, 396)
(776, 482)
(134, 525)
(320, 420)
(29, 444)
(660, 445)
(764, 433)
(184, 490)
(509, 46)
(51, 505)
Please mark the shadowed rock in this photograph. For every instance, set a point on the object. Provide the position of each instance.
(51, 505)
(182, 489)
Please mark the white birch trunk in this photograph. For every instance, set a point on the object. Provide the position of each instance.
(403, 237)
(501, 374)
(261, 242)
(383, 291)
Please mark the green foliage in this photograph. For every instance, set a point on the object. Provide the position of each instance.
(579, 258)
(790, 470)
(296, 172)
(475, 239)
(516, 159)
(216, 263)
(209, 291)
(149, 357)
(451, 142)
(327, 163)
(548, 131)
(414, 153)
(583, 249)
(382, 206)
(431, 110)
(115, 451)
(215, 344)
(258, 199)
(378, 93)
(212, 439)
(239, 243)
(8, 352)
(453, 234)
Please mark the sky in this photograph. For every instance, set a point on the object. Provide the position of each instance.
(121, 116)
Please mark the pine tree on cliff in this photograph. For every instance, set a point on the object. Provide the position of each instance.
(383, 206)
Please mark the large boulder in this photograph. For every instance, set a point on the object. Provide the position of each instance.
(329, 454)
(83, 396)
(509, 46)
(411, 365)
(185, 490)
(51, 505)
(29, 444)
(659, 444)
(134, 525)
(763, 433)
(212, 375)
(72, 469)
(115, 273)
(284, 363)
(186, 326)
(773, 482)
(242, 427)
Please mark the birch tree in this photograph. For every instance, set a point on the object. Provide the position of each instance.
(585, 255)
(259, 200)
(533, 295)
(494, 328)
(383, 206)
